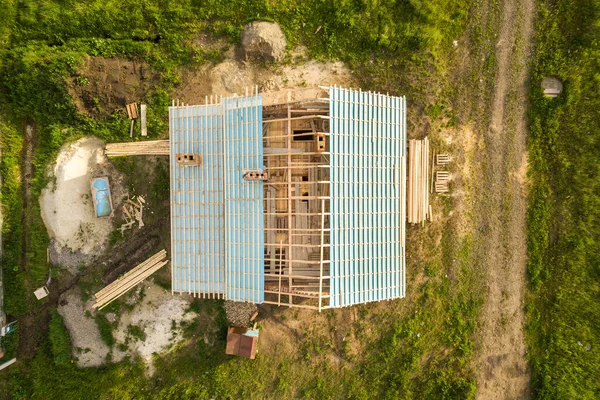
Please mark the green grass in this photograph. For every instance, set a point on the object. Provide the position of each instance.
(105, 329)
(136, 332)
(564, 213)
(60, 341)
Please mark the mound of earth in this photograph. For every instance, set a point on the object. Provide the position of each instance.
(263, 41)
(66, 204)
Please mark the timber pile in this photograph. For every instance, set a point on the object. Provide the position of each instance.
(142, 148)
(131, 279)
(133, 210)
(418, 181)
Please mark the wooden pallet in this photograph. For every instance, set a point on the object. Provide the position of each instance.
(442, 159)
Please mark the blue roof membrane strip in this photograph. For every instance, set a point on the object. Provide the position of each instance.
(367, 145)
(196, 200)
(244, 224)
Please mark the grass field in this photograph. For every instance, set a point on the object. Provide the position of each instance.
(563, 307)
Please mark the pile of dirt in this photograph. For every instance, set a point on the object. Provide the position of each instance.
(104, 85)
(263, 42)
(67, 207)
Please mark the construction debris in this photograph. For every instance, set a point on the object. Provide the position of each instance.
(143, 119)
(442, 178)
(441, 187)
(132, 110)
(131, 279)
(42, 292)
(418, 180)
(133, 211)
(143, 148)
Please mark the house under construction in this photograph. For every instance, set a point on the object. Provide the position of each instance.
(293, 198)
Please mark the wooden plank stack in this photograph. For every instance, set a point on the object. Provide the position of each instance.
(142, 148)
(131, 279)
(418, 181)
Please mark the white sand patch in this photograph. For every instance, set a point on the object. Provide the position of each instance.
(155, 315)
(66, 204)
(88, 346)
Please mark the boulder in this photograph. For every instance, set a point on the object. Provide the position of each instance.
(552, 86)
(263, 42)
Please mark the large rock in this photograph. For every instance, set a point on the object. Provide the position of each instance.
(263, 42)
(552, 86)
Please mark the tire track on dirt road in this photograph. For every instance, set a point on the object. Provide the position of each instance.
(501, 366)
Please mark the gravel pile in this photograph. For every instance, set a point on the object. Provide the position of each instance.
(238, 314)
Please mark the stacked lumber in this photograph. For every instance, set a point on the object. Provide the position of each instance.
(418, 181)
(142, 148)
(131, 279)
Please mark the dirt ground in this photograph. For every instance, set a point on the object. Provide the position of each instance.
(88, 347)
(234, 76)
(156, 312)
(498, 203)
(159, 314)
(67, 208)
(107, 84)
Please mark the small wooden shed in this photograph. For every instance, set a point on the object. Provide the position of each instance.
(242, 342)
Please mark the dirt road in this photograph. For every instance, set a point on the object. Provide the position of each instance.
(501, 366)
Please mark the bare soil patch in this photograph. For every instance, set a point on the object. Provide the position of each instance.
(232, 76)
(88, 348)
(501, 366)
(104, 85)
(159, 315)
(66, 204)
